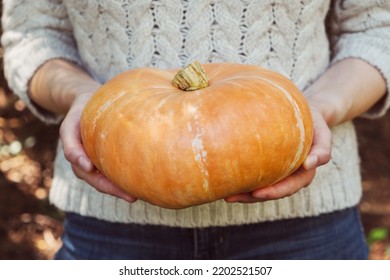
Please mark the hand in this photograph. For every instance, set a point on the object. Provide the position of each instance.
(61, 86)
(75, 154)
(319, 154)
(347, 89)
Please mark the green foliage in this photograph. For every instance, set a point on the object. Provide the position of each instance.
(377, 234)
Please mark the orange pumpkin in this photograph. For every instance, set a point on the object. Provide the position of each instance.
(248, 127)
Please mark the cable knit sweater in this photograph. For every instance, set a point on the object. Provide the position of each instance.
(299, 39)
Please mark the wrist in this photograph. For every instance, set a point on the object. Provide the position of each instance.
(346, 90)
(56, 84)
(331, 108)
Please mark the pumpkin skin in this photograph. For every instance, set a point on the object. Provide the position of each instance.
(250, 128)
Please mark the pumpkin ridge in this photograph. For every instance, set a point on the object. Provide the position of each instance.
(300, 124)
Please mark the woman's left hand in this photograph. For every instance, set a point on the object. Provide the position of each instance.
(347, 89)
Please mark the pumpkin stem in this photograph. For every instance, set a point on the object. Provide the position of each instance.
(191, 77)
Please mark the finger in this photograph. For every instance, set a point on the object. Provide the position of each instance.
(287, 187)
(102, 184)
(242, 197)
(71, 142)
(320, 152)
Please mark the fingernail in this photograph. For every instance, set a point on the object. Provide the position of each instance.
(85, 164)
(259, 195)
(311, 162)
(231, 200)
(129, 199)
(235, 198)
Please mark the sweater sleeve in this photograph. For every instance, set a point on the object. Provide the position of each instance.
(361, 29)
(33, 33)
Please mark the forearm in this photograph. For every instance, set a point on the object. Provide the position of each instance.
(57, 82)
(346, 90)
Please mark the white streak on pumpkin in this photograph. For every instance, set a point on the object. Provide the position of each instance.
(189, 126)
(200, 154)
(103, 108)
(103, 135)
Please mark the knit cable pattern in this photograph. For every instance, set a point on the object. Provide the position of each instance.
(117, 35)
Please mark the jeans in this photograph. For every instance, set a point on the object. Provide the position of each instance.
(336, 236)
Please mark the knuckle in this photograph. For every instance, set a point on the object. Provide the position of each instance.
(76, 172)
(70, 155)
(324, 156)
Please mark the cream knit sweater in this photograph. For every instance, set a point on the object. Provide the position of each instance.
(107, 37)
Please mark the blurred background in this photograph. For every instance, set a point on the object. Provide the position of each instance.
(30, 228)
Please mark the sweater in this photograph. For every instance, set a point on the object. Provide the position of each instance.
(299, 39)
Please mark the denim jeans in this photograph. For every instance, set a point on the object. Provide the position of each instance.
(337, 235)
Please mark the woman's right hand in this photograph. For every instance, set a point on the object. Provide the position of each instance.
(62, 87)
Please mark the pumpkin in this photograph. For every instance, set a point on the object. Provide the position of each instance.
(213, 132)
